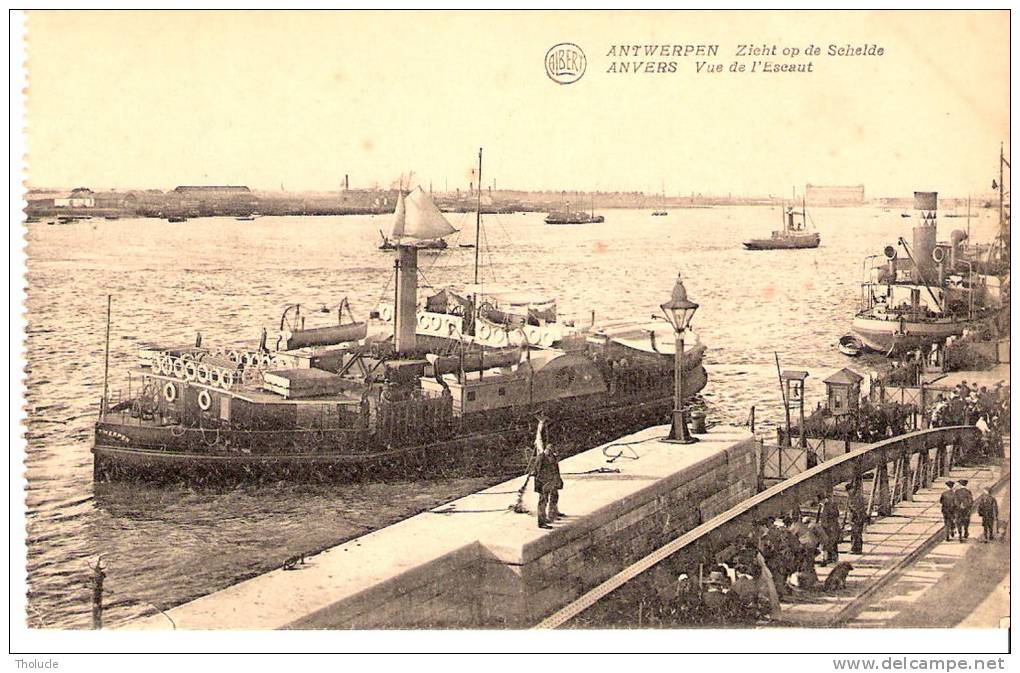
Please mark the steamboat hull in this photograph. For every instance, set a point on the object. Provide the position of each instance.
(124, 452)
(799, 243)
(892, 337)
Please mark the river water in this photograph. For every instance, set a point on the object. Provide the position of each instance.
(228, 279)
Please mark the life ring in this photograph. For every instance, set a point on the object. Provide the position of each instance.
(423, 321)
(169, 392)
(179, 368)
(227, 380)
(166, 366)
(233, 356)
(265, 361)
(203, 374)
(501, 338)
(204, 400)
(547, 339)
(533, 334)
(214, 376)
(187, 356)
(437, 322)
(485, 331)
(190, 370)
(246, 360)
(451, 329)
(386, 313)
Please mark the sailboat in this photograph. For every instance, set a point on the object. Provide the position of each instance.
(567, 216)
(661, 212)
(426, 226)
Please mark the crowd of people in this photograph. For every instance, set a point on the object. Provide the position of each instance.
(986, 408)
(779, 557)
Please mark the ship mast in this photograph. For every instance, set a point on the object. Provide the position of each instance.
(1002, 189)
(478, 215)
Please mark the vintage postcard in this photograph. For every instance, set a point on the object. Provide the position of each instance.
(689, 324)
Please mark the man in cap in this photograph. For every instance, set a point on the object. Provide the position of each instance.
(988, 510)
(948, 502)
(547, 479)
(964, 508)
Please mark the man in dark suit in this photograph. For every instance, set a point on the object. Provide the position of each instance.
(964, 508)
(859, 517)
(988, 510)
(833, 527)
(948, 502)
(547, 480)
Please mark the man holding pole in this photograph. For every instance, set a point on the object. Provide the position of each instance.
(547, 479)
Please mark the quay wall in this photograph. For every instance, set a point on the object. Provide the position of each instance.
(474, 563)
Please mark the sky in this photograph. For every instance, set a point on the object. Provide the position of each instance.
(156, 99)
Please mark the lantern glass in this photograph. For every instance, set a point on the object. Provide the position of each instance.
(679, 310)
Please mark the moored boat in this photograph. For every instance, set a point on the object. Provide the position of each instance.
(452, 382)
(927, 297)
(850, 345)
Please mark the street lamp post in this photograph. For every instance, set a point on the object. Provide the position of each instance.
(679, 311)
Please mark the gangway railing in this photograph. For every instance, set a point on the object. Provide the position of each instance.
(936, 450)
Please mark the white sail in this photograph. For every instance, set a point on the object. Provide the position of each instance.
(422, 219)
(399, 216)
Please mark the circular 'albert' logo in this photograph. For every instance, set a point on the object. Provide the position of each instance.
(565, 63)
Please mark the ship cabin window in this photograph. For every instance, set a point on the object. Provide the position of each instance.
(502, 392)
(471, 396)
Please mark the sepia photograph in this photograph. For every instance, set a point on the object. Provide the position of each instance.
(516, 330)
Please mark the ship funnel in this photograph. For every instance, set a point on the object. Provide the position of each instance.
(405, 318)
(926, 204)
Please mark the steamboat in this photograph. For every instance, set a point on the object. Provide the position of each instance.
(929, 295)
(419, 388)
(793, 236)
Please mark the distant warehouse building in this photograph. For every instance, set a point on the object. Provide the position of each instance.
(835, 195)
(213, 199)
(80, 197)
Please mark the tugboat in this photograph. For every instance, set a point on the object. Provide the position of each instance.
(416, 389)
(793, 236)
(930, 295)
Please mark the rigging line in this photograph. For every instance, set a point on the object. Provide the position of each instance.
(488, 256)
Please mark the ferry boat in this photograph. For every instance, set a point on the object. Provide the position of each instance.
(794, 235)
(927, 296)
(455, 381)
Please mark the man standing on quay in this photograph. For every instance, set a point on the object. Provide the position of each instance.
(547, 480)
